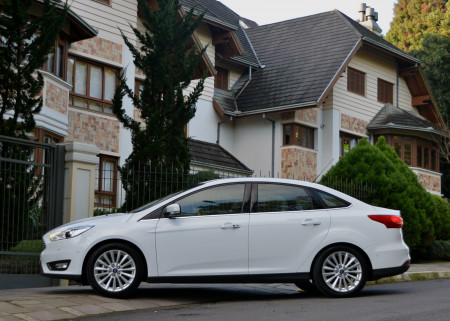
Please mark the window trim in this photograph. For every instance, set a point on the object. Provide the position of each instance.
(103, 102)
(343, 135)
(61, 40)
(353, 86)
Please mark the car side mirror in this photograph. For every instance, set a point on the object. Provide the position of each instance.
(172, 211)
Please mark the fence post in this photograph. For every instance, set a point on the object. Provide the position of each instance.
(79, 172)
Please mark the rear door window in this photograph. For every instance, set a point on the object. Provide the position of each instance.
(283, 198)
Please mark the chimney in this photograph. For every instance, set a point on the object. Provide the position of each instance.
(369, 18)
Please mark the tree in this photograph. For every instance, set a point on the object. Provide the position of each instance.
(168, 59)
(422, 28)
(368, 164)
(413, 19)
(25, 44)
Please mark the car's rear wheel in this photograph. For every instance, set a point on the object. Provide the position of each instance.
(307, 286)
(340, 271)
(115, 270)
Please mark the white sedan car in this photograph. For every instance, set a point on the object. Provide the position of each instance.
(234, 230)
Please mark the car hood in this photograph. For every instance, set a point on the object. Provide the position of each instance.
(98, 220)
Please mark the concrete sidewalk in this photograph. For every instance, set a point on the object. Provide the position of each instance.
(56, 303)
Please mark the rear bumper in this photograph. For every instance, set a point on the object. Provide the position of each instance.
(383, 273)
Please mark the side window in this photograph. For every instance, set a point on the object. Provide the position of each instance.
(283, 198)
(332, 201)
(225, 199)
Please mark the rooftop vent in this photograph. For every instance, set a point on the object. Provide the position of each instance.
(369, 18)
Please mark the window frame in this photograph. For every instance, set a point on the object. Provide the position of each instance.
(294, 129)
(355, 84)
(60, 41)
(99, 192)
(103, 102)
(385, 91)
(105, 2)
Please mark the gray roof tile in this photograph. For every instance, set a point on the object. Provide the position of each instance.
(215, 156)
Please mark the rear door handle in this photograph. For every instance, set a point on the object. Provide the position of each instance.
(310, 222)
(229, 226)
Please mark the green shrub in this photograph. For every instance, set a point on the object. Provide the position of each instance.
(439, 250)
(367, 164)
(442, 228)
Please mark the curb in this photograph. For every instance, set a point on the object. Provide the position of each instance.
(413, 276)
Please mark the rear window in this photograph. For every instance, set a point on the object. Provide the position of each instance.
(332, 201)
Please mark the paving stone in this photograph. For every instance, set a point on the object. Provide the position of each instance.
(141, 304)
(117, 306)
(91, 309)
(21, 317)
(51, 314)
(11, 308)
(73, 311)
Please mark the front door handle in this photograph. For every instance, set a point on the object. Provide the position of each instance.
(310, 222)
(229, 226)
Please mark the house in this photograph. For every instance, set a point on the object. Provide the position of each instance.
(286, 99)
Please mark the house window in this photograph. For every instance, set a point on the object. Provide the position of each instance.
(299, 135)
(221, 79)
(385, 91)
(55, 60)
(105, 181)
(414, 151)
(347, 142)
(93, 85)
(356, 81)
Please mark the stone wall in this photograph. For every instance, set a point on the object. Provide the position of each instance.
(298, 163)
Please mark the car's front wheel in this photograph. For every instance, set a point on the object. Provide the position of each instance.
(114, 270)
(340, 271)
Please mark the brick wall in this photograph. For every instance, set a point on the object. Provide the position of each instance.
(298, 163)
(306, 115)
(96, 130)
(429, 182)
(56, 97)
(101, 48)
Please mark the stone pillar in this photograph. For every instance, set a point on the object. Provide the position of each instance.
(79, 179)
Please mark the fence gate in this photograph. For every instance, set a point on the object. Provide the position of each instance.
(31, 198)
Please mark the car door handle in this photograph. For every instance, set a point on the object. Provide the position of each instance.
(309, 222)
(229, 226)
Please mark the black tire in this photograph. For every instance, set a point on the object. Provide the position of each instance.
(340, 271)
(306, 286)
(114, 270)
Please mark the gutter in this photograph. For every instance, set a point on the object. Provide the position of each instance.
(271, 109)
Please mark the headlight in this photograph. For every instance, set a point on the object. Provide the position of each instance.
(69, 233)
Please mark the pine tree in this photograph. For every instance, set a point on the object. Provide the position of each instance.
(25, 44)
(168, 60)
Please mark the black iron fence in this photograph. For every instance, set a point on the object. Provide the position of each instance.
(29, 201)
(132, 188)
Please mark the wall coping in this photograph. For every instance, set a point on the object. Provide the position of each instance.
(79, 152)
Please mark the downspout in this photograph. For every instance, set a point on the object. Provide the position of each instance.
(273, 142)
(218, 127)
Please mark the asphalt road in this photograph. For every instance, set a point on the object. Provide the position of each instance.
(424, 300)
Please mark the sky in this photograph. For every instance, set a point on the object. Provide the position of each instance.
(269, 11)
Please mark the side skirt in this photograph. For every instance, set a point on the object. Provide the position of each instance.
(255, 278)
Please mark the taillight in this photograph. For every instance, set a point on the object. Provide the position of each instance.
(391, 221)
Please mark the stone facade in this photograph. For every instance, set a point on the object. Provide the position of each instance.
(307, 115)
(429, 182)
(56, 97)
(353, 124)
(298, 163)
(101, 48)
(95, 130)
